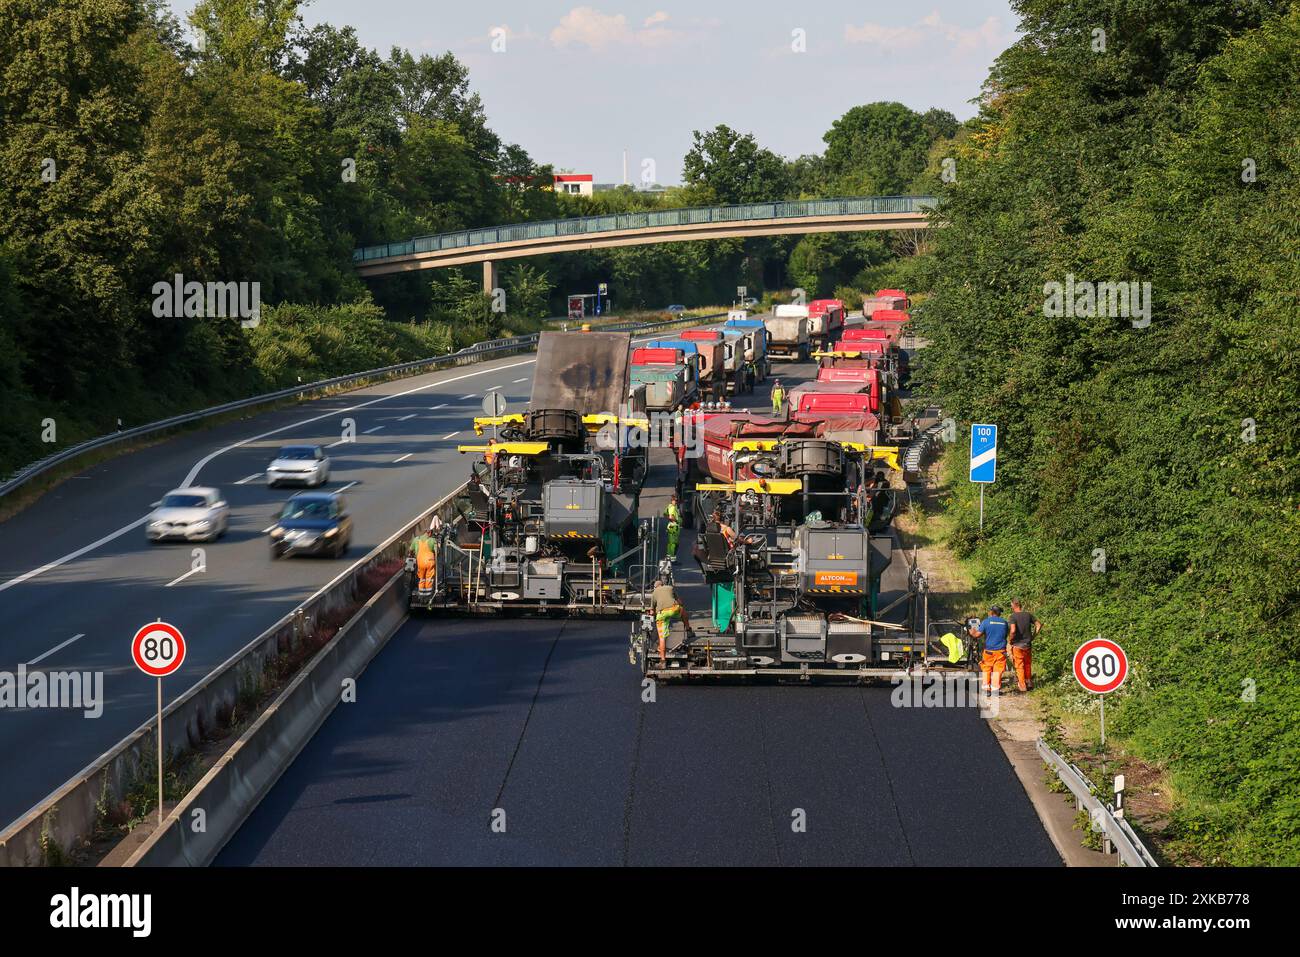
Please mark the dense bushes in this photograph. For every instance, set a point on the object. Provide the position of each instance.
(1149, 476)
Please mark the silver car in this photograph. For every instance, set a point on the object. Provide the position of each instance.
(188, 514)
(300, 464)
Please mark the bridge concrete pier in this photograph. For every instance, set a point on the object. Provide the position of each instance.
(491, 276)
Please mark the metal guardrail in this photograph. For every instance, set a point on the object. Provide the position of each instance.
(1116, 833)
(685, 216)
(462, 356)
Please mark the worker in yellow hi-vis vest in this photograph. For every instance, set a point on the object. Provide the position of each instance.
(674, 515)
(778, 397)
(666, 606)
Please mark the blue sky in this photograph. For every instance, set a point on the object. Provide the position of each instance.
(578, 82)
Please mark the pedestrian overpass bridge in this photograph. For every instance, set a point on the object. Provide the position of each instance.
(494, 243)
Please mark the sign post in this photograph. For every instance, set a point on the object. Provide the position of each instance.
(983, 459)
(158, 650)
(1100, 666)
(494, 405)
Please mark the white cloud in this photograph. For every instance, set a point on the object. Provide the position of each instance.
(587, 26)
(929, 30)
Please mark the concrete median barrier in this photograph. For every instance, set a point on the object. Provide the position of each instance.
(70, 815)
(198, 828)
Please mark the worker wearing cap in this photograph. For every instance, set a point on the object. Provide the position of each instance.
(665, 606)
(674, 515)
(994, 630)
(778, 397)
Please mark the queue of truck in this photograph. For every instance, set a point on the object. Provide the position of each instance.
(792, 508)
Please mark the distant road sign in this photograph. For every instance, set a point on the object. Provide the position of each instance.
(494, 404)
(158, 649)
(603, 288)
(1100, 665)
(983, 452)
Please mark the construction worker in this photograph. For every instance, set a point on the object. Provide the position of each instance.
(751, 373)
(425, 549)
(1024, 627)
(994, 630)
(726, 530)
(674, 515)
(778, 397)
(490, 454)
(666, 606)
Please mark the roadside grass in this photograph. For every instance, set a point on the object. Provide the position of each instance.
(1203, 727)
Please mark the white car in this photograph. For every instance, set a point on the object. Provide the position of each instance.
(189, 514)
(303, 464)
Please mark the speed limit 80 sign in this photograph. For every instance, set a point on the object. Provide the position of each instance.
(1100, 665)
(158, 649)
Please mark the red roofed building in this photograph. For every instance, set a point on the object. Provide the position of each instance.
(576, 183)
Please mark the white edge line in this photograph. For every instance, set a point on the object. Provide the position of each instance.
(198, 466)
(403, 458)
(449, 435)
(57, 647)
(343, 488)
(375, 429)
(245, 481)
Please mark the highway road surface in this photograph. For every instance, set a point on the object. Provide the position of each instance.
(77, 577)
(541, 725)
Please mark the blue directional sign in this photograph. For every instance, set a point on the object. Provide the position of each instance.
(983, 452)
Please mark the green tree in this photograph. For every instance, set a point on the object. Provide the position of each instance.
(722, 166)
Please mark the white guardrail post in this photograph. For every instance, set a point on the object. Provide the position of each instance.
(1116, 832)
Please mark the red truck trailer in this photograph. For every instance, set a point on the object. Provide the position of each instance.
(825, 320)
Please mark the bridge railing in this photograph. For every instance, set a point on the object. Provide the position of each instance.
(685, 216)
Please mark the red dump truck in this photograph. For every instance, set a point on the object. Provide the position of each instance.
(825, 320)
(885, 299)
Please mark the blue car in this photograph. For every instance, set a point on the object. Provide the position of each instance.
(312, 523)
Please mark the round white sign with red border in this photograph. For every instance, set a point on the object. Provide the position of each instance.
(1100, 665)
(158, 649)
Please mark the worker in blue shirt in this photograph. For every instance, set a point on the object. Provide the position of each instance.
(994, 630)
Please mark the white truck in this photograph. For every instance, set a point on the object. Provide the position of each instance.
(787, 333)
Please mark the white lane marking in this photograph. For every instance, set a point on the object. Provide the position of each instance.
(524, 379)
(77, 554)
(472, 395)
(345, 487)
(198, 466)
(403, 458)
(62, 644)
(183, 577)
(375, 429)
(493, 388)
(435, 408)
(255, 475)
(449, 435)
(189, 479)
(339, 442)
(405, 417)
